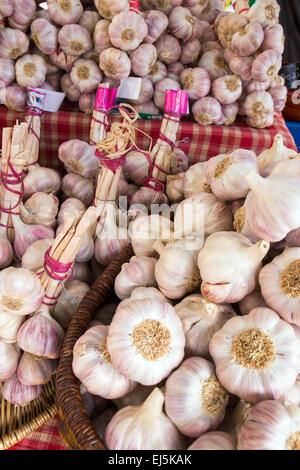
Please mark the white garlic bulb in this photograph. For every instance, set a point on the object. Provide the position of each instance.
(34, 370)
(44, 35)
(145, 340)
(174, 187)
(40, 208)
(9, 326)
(13, 43)
(138, 272)
(74, 39)
(227, 89)
(78, 157)
(65, 12)
(277, 152)
(78, 187)
(7, 72)
(30, 70)
(41, 179)
(144, 427)
(251, 301)
(145, 230)
(217, 440)
(9, 359)
(19, 394)
(88, 20)
(68, 301)
(115, 63)
(256, 355)
(214, 62)
(200, 321)
(195, 400)
(229, 265)
(109, 8)
(127, 30)
(92, 365)
(33, 257)
(85, 75)
(264, 12)
(194, 180)
(140, 293)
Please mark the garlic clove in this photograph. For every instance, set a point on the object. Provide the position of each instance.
(19, 394)
(34, 370)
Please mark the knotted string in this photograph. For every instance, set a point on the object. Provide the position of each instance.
(56, 269)
(12, 179)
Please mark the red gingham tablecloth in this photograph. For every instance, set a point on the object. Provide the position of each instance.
(204, 142)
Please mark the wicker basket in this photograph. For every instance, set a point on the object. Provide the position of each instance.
(74, 425)
(16, 422)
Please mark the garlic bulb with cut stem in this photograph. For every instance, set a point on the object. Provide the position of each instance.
(160, 90)
(115, 63)
(88, 20)
(101, 37)
(224, 173)
(264, 12)
(67, 207)
(168, 49)
(143, 60)
(40, 208)
(30, 70)
(196, 81)
(110, 8)
(215, 64)
(25, 235)
(92, 365)
(68, 301)
(74, 39)
(183, 25)
(77, 187)
(41, 335)
(217, 440)
(13, 43)
(271, 425)
(194, 180)
(79, 157)
(33, 257)
(260, 122)
(34, 370)
(200, 321)
(9, 359)
(176, 271)
(259, 105)
(145, 340)
(157, 23)
(206, 111)
(145, 230)
(7, 72)
(14, 97)
(230, 25)
(279, 282)
(195, 400)
(137, 273)
(144, 427)
(174, 187)
(274, 38)
(266, 65)
(19, 394)
(21, 292)
(251, 301)
(44, 35)
(248, 40)
(158, 72)
(256, 355)
(190, 52)
(277, 152)
(41, 179)
(85, 75)
(9, 326)
(136, 167)
(229, 114)
(127, 30)
(283, 207)
(229, 265)
(227, 89)
(65, 12)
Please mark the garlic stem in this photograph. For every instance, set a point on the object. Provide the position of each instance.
(253, 179)
(153, 404)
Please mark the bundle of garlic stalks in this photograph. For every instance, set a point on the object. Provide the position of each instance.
(203, 350)
(228, 62)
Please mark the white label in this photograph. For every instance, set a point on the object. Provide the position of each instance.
(130, 88)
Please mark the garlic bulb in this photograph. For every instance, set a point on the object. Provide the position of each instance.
(143, 60)
(174, 70)
(7, 72)
(68, 11)
(9, 359)
(19, 394)
(25, 235)
(207, 111)
(145, 230)
(9, 326)
(74, 39)
(158, 71)
(260, 122)
(230, 25)
(248, 40)
(264, 12)
(62, 60)
(251, 301)
(274, 38)
(279, 285)
(78, 187)
(127, 30)
(79, 157)
(242, 67)
(254, 85)
(138, 272)
(224, 174)
(13, 43)
(256, 355)
(109, 8)
(283, 208)
(33, 257)
(44, 35)
(149, 198)
(115, 63)
(277, 152)
(40, 208)
(201, 214)
(14, 97)
(34, 370)
(200, 321)
(101, 37)
(160, 90)
(68, 301)
(136, 167)
(214, 441)
(183, 25)
(146, 91)
(196, 6)
(41, 179)
(284, 167)
(259, 105)
(41, 335)
(21, 292)
(144, 427)
(194, 180)
(210, 45)
(68, 206)
(165, 5)
(86, 102)
(195, 400)
(266, 65)
(30, 70)
(279, 95)
(145, 340)
(85, 75)
(6, 250)
(196, 81)
(168, 49)
(140, 293)
(190, 51)
(6, 8)
(179, 161)
(270, 425)
(215, 64)
(227, 89)
(157, 23)
(174, 187)
(92, 365)
(238, 262)
(212, 10)
(293, 395)
(88, 20)
(229, 114)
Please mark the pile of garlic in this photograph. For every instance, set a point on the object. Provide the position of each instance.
(227, 62)
(203, 350)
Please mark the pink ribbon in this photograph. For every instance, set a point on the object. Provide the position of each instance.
(12, 179)
(56, 269)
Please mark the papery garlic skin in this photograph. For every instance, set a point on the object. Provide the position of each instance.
(68, 301)
(194, 180)
(149, 198)
(214, 62)
(88, 20)
(158, 72)
(265, 12)
(40, 179)
(74, 39)
(7, 72)
(109, 8)
(86, 102)
(196, 81)
(78, 157)
(65, 12)
(21, 292)
(229, 114)
(143, 60)
(256, 355)
(227, 89)
(271, 425)
(224, 174)
(9, 326)
(179, 161)
(242, 67)
(115, 63)
(19, 394)
(259, 104)
(274, 38)
(277, 152)
(138, 272)
(25, 235)
(190, 52)
(62, 60)
(279, 285)
(146, 340)
(207, 111)
(40, 208)
(266, 65)
(30, 70)
(127, 30)
(195, 400)
(44, 35)
(85, 74)
(157, 23)
(168, 49)
(279, 95)
(251, 301)
(75, 186)
(93, 367)
(9, 359)
(68, 206)
(140, 293)
(228, 26)
(34, 370)
(101, 37)
(214, 441)
(183, 24)
(200, 321)
(13, 43)
(247, 41)
(144, 427)
(229, 265)
(145, 230)
(33, 257)
(136, 167)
